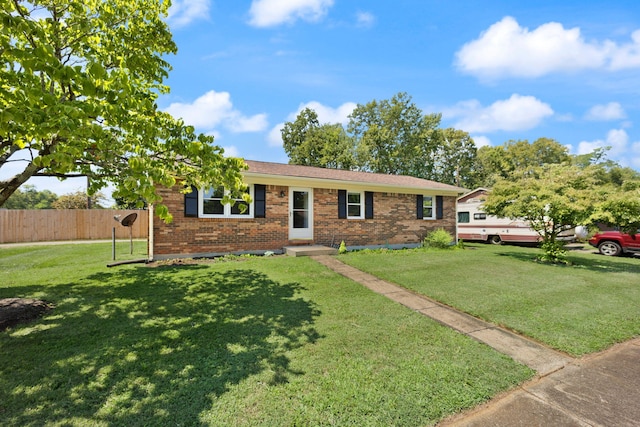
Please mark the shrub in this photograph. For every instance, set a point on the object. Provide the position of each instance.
(553, 252)
(440, 239)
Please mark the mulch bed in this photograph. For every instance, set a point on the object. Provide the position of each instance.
(14, 311)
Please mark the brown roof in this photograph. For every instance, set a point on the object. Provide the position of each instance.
(376, 179)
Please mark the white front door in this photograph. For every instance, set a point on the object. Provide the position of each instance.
(300, 213)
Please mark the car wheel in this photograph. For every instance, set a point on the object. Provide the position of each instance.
(495, 240)
(609, 248)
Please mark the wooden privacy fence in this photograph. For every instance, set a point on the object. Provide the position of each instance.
(43, 225)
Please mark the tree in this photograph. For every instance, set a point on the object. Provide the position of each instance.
(517, 158)
(78, 200)
(80, 79)
(620, 209)
(454, 159)
(389, 136)
(551, 198)
(30, 198)
(394, 136)
(309, 143)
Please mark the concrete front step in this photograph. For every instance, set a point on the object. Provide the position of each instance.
(309, 250)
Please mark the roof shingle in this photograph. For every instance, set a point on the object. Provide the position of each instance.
(401, 181)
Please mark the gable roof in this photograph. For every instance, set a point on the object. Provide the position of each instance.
(286, 174)
(474, 195)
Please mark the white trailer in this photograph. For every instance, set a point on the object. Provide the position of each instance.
(475, 224)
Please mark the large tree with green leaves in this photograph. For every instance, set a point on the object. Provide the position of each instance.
(550, 198)
(516, 158)
(390, 136)
(393, 136)
(453, 159)
(79, 83)
(309, 143)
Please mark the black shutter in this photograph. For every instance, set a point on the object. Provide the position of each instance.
(260, 200)
(342, 204)
(191, 203)
(368, 204)
(439, 214)
(419, 206)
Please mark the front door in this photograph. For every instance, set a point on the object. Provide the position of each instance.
(300, 213)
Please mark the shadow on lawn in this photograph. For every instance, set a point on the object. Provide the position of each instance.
(154, 346)
(592, 261)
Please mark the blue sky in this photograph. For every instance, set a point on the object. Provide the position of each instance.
(500, 70)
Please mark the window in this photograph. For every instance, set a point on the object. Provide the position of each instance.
(212, 206)
(479, 216)
(428, 211)
(463, 217)
(354, 205)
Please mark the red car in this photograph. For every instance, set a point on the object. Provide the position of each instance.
(614, 243)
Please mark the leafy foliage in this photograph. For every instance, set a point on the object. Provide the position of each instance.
(439, 239)
(80, 79)
(308, 143)
(79, 200)
(550, 198)
(390, 136)
(621, 209)
(517, 158)
(30, 198)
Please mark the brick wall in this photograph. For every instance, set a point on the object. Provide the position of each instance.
(394, 223)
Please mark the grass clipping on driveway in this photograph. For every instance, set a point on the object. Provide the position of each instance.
(264, 341)
(579, 309)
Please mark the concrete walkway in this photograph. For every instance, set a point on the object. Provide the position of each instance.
(598, 390)
(538, 357)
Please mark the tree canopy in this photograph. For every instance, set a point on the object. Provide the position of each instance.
(517, 158)
(80, 79)
(551, 198)
(79, 200)
(28, 197)
(389, 136)
(309, 143)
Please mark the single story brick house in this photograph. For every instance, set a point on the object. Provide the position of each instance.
(302, 205)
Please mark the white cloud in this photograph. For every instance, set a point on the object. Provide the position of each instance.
(516, 113)
(365, 19)
(618, 140)
(214, 109)
(481, 141)
(606, 112)
(270, 13)
(183, 12)
(628, 55)
(506, 49)
(325, 115)
(231, 151)
(275, 135)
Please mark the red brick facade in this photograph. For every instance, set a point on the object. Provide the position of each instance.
(394, 223)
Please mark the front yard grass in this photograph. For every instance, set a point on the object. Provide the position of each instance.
(261, 341)
(579, 309)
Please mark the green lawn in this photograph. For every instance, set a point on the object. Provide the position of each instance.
(579, 309)
(260, 341)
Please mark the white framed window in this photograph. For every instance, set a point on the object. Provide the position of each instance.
(211, 205)
(355, 205)
(428, 207)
